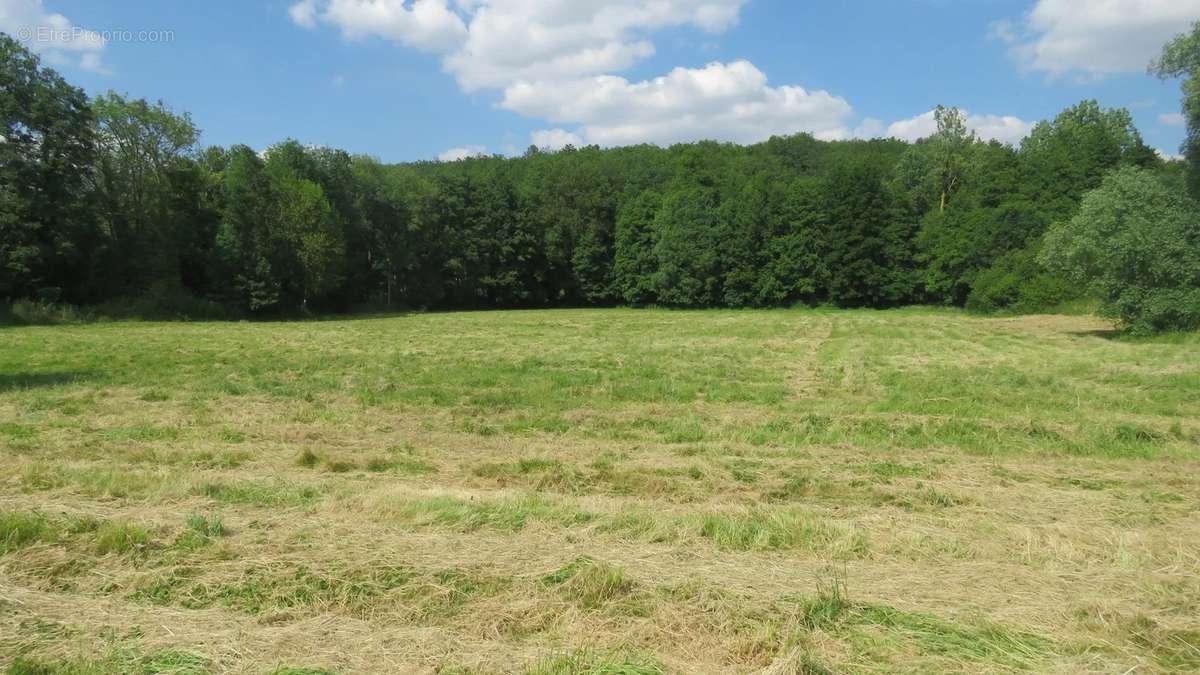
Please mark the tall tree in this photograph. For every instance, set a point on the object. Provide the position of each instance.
(244, 247)
(869, 251)
(46, 151)
(1181, 58)
(145, 152)
(687, 248)
(634, 262)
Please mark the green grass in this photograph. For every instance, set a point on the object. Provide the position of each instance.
(590, 582)
(22, 528)
(592, 662)
(271, 493)
(600, 491)
(121, 538)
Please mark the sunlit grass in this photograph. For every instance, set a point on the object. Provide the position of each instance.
(600, 491)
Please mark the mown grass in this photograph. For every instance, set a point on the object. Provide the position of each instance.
(600, 491)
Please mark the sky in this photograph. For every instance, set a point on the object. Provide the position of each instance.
(442, 79)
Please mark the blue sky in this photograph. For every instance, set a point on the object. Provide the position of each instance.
(419, 79)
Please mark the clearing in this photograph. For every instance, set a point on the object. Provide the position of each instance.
(600, 491)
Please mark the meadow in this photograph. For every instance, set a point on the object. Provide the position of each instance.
(600, 491)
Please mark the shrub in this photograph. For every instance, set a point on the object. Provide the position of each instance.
(1136, 244)
(1017, 283)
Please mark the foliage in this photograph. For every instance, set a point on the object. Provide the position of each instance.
(112, 204)
(47, 149)
(1137, 246)
(1181, 58)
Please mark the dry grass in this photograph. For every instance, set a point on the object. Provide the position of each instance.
(600, 491)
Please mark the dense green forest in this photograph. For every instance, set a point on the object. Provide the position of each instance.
(112, 200)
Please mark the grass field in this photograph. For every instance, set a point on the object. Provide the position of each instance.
(600, 491)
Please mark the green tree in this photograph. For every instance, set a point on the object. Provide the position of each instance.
(935, 168)
(1137, 246)
(1064, 158)
(46, 153)
(687, 248)
(307, 236)
(794, 266)
(869, 252)
(244, 244)
(141, 183)
(1181, 58)
(634, 262)
(386, 210)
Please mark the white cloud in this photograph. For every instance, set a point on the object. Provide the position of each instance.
(91, 61)
(53, 36)
(428, 25)
(1170, 157)
(493, 43)
(1094, 38)
(1003, 128)
(1172, 119)
(1003, 31)
(304, 13)
(729, 102)
(869, 128)
(555, 139)
(510, 40)
(556, 60)
(455, 154)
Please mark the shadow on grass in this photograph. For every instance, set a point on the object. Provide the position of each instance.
(1104, 333)
(15, 381)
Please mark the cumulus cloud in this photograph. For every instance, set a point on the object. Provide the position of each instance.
(1003, 128)
(53, 36)
(555, 139)
(455, 154)
(1171, 119)
(304, 13)
(427, 25)
(510, 40)
(556, 60)
(1094, 38)
(730, 102)
(492, 43)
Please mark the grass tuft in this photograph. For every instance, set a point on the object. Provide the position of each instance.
(121, 538)
(590, 582)
(23, 528)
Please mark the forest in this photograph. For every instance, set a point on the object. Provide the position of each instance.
(112, 202)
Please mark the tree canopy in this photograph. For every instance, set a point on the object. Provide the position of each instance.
(113, 200)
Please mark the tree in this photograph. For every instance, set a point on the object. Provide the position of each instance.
(46, 151)
(935, 168)
(307, 237)
(1064, 158)
(387, 218)
(143, 162)
(634, 262)
(868, 251)
(687, 248)
(1137, 246)
(244, 246)
(1181, 58)
(793, 262)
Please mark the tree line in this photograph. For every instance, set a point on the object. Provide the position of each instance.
(111, 200)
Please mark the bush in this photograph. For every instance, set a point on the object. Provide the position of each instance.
(163, 302)
(1136, 244)
(42, 313)
(159, 303)
(1017, 283)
